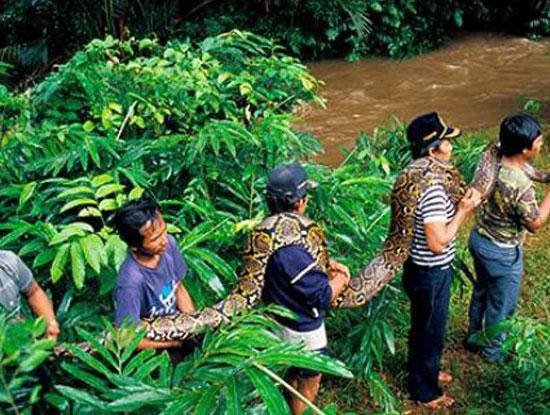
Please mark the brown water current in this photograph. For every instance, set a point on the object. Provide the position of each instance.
(474, 82)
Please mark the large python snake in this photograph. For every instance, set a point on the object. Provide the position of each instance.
(288, 229)
(291, 229)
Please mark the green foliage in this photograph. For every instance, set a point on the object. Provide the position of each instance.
(126, 116)
(197, 127)
(234, 367)
(37, 34)
(516, 16)
(21, 351)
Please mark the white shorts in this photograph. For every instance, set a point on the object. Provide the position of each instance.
(313, 340)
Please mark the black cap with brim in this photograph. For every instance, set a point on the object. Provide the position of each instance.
(427, 130)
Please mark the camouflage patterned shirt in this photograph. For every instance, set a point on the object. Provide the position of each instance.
(509, 207)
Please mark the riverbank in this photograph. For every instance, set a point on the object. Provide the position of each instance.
(479, 387)
(474, 81)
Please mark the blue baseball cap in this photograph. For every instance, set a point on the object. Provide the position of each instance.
(289, 181)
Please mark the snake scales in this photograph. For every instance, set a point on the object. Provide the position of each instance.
(288, 229)
(291, 229)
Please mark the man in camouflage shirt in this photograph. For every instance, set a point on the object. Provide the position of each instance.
(496, 241)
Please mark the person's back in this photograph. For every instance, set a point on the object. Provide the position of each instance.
(293, 279)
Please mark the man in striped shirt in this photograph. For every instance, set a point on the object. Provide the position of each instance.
(427, 272)
(434, 206)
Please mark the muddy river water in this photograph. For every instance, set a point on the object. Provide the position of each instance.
(474, 81)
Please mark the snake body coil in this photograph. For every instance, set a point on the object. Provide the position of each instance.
(291, 229)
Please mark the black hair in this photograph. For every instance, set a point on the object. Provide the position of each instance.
(281, 203)
(420, 149)
(131, 217)
(517, 133)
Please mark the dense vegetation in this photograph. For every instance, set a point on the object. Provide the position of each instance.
(36, 34)
(197, 126)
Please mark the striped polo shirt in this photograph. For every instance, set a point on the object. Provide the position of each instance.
(434, 206)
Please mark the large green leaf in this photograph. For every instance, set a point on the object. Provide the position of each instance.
(233, 399)
(77, 202)
(81, 397)
(78, 266)
(26, 194)
(34, 360)
(138, 400)
(206, 274)
(116, 249)
(59, 262)
(108, 189)
(272, 397)
(208, 402)
(75, 191)
(86, 377)
(69, 231)
(93, 250)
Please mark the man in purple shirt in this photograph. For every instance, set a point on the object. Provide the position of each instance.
(149, 281)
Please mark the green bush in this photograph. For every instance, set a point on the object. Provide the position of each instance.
(196, 126)
(22, 351)
(36, 34)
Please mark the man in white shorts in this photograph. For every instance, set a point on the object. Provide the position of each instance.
(294, 280)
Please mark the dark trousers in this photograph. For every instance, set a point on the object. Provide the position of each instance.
(428, 288)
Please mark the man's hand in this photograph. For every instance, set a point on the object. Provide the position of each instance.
(471, 199)
(336, 268)
(52, 330)
(339, 280)
(43, 307)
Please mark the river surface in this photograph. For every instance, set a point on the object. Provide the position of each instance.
(474, 81)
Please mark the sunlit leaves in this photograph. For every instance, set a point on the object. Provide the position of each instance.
(58, 264)
(224, 375)
(22, 350)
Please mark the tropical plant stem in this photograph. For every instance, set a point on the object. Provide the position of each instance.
(6, 387)
(289, 387)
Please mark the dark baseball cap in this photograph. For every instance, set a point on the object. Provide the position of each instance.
(290, 181)
(428, 129)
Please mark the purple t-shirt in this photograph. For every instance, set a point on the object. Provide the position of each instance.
(143, 292)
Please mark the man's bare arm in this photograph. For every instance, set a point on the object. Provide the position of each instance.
(183, 299)
(43, 307)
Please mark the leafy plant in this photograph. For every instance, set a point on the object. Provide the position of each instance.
(237, 366)
(22, 351)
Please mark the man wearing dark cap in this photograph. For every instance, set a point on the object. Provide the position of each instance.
(293, 279)
(427, 272)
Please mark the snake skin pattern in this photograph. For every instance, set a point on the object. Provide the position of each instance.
(409, 186)
(281, 230)
(417, 177)
(291, 229)
(286, 229)
(273, 233)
